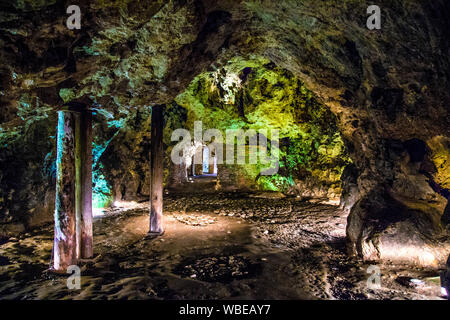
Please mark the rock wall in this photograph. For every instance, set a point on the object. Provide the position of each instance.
(402, 220)
(27, 175)
(254, 94)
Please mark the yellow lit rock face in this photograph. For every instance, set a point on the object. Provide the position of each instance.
(440, 155)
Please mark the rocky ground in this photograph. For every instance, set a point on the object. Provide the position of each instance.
(217, 246)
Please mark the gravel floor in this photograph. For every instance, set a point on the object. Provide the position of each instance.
(216, 246)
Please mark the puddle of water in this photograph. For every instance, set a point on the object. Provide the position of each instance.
(223, 269)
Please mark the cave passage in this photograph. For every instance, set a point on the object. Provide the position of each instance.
(221, 225)
(246, 149)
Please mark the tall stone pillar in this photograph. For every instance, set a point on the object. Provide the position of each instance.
(73, 203)
(156, 171)
(64, 246)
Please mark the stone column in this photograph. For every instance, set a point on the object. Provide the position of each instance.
(156, 171)
(64, 247)
(73, 203)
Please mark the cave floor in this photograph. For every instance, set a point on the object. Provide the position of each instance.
(216, 246)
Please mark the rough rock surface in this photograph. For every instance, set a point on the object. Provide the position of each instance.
(383, 227)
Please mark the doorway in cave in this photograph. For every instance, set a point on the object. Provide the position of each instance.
(209, 161)
(207, 167)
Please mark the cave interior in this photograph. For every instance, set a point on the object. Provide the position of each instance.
(206, 149)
